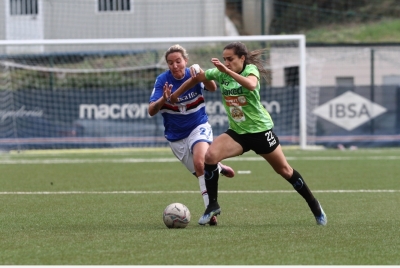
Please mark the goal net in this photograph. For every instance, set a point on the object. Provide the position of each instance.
(95, 92)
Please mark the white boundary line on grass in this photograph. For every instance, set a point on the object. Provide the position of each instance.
(170, 159)
(194, 192)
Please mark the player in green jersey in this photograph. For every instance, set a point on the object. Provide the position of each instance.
(250, 124)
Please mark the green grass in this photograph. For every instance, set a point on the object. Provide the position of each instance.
(387, 30)
(104, 208)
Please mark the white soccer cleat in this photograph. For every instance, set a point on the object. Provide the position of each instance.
(322, 219)
(209, 214)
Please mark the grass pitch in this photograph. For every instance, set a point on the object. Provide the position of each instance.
(105, 208)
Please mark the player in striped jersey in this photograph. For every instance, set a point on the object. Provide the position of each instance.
(186, 122)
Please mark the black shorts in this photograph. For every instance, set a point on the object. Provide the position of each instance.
(261, 143)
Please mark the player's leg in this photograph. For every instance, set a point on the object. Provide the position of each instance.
(222, 147)
(182, 152)
(279, 163)
(198, 142)
(199, 150)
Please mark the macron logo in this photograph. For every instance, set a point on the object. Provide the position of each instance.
(113, 111)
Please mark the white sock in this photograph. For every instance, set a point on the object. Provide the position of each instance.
(203, 190)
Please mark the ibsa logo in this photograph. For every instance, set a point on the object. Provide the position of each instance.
(113, 111)
(349, 110)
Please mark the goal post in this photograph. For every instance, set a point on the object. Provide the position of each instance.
(79, 93)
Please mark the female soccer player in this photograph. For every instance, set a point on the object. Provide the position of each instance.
(186, 122)
(250, 124)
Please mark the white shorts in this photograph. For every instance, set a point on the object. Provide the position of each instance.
(183, 149)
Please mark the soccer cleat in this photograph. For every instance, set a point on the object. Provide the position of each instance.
(213, 221)
(227, 171)
(210, 213)
(322, 219)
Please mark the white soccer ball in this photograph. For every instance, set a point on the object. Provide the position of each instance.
(176, 215)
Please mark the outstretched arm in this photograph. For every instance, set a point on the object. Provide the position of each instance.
(210, 85)
(191, 82)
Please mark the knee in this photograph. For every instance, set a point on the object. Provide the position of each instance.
(285, 171)
(211, 157)
(198, 165)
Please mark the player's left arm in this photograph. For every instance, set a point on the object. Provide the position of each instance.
(191, 82)
(210, 85)
(250, 82)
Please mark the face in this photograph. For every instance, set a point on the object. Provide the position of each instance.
(177, 64)
(232, 61)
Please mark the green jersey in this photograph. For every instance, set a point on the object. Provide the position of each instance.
(243, 106)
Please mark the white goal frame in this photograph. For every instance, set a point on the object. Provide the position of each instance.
(299, 38)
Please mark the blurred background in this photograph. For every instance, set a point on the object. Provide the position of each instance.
(79, 73)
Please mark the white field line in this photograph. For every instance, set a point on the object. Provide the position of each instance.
(193, 192)
(170, 159)
(84, 161)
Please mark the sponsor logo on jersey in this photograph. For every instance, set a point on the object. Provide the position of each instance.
(233, 91)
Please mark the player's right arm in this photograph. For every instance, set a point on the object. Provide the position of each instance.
(188, 84)
(158, 97)
(250, 82)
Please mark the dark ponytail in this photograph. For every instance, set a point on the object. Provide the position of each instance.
(252, 57)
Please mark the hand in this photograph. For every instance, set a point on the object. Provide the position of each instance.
(167, 91)
(221, 67)
(195, 70)
(167, 95)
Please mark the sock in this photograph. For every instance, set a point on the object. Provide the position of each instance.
(203, 190)
(211, 176)
(301, 187)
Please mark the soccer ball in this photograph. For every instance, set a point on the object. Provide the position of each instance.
(176, 215)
